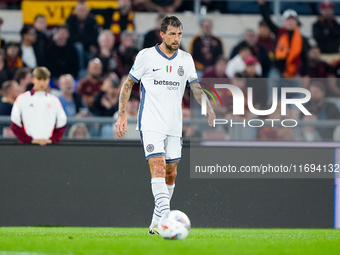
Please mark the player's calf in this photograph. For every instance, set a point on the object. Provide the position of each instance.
(171, 173)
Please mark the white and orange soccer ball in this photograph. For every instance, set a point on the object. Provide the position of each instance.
(174, 225)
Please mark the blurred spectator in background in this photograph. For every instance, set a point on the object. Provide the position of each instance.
(10, 4)
(291, 49)
(163, 6)
(237, 64)
(218, 70)
(62, 55)
(78, 131)
(127, 51)
(336, 70)
(40, 25)
(23, 77)
(71, 100)
(326, 110)
(117, 20)
(326, 30)
(205, 48)
(139, 5)
(106, 102)
(227, 98)
(37, 116)
(276, 133)
(266, 38)
(257, 50)
(153, 37)
(250, 71)
(188, 130)
(10, 91)
(13, 59)
(83, 30)
(107, 54)
(259, 86)
(308, 133)
(4, 72)
(317, 68)
(131, 113)
(2, 41)
(32, 55)
(213, 6)
(89, 86)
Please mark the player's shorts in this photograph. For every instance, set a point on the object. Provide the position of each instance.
(156, 144)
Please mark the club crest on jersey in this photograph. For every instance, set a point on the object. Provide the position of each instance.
(180, 71)
(150, 148)
(168, 69)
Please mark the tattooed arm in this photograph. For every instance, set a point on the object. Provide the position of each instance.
(121, 124)
(198, 94)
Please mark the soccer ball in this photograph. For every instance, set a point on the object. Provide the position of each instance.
(174, 225)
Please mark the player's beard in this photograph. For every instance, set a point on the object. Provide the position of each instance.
(169, 47)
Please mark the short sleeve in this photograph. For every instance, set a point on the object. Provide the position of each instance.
(138, 68)
(192, 74)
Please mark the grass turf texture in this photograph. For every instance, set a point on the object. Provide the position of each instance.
(70, 240)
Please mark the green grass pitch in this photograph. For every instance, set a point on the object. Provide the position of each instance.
(71, 240)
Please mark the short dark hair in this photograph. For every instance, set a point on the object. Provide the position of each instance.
(263, 23)
(244, 45)
(238, 75)
(25, 30)
(39, 16)
(170, 21)
(133, 96)
(223, 58)
(21, 74)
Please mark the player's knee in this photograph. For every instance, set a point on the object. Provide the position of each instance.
(170, 177)
(157, 167)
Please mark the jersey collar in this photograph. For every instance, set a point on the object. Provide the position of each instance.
(32, 91)
(163, 55)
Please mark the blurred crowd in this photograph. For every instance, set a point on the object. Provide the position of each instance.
(88, 62)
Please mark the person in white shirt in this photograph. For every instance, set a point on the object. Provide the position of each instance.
(237, 64)
(164, 71)
(37, 116)
(28, 38)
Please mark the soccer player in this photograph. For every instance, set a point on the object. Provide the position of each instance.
(164, 71)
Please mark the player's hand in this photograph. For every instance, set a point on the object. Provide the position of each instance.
(211, 117)
(121, 126)
(41, 142)
(260, 2)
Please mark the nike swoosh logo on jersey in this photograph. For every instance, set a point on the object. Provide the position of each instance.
(156, 69)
